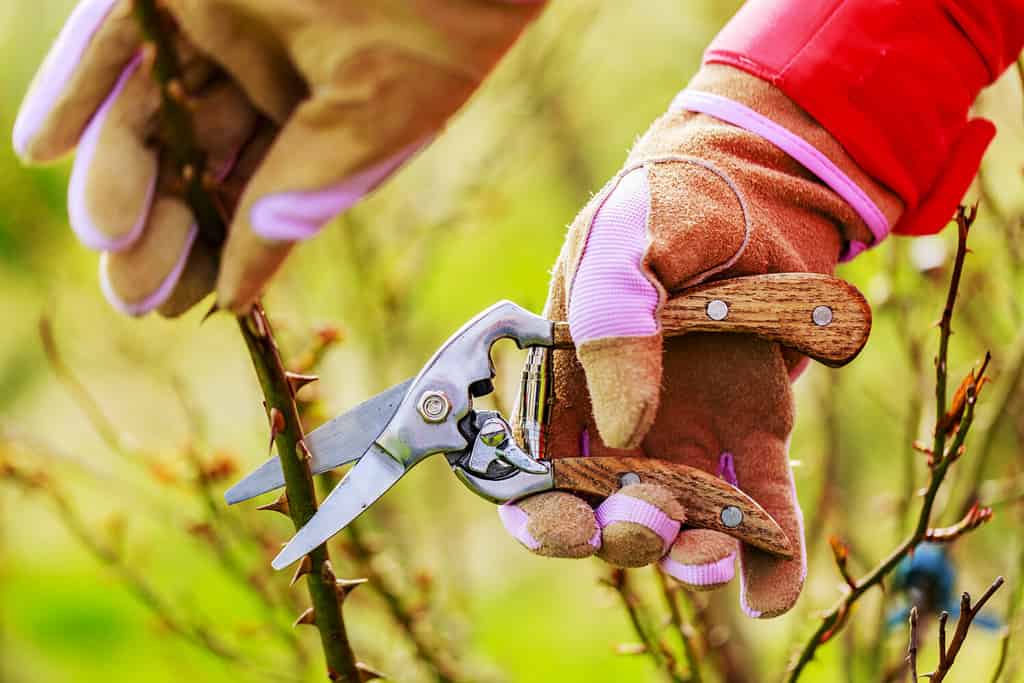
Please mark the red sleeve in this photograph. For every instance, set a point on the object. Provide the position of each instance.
(892, 80)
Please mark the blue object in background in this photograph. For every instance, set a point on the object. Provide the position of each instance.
(927, 579)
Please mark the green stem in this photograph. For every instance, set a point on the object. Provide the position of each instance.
(178, 137)
(280, 397)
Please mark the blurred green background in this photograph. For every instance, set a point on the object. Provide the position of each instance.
(477, 217)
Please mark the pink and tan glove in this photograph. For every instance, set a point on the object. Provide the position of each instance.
(698, 199)
(303, 108)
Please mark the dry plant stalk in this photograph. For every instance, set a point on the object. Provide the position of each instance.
(279, 393)
(952, 425)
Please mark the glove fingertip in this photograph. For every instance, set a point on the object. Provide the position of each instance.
(624, 381)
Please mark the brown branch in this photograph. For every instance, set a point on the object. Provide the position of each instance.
(912, 646)
(943, 456)
(179, 139)
(618, 580)
(947, 655)
(669, 591)
(441, 663)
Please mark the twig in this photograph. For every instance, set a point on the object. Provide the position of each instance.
(440, 662)
(942, 456)
(89, 405)
(618, 580)
(278, 393)
(967, 613)
(912, 647)
(669, 592)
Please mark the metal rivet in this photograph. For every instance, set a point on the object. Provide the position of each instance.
(821, 315)
(434, 406)
(629, 478)
(731, 516)
(717, 309)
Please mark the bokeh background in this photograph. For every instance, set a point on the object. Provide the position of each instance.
(118, 562)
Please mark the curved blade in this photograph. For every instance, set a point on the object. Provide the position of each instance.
(333, 444)
(375, 473)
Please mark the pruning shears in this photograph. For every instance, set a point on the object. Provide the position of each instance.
(432, 414)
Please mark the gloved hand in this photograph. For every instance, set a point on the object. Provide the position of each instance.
(303, 108)
(698, 199)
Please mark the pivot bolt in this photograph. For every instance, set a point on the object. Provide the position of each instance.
(494, 433)
(731, 516)
(821, 315)
(717, 309)
(434, 406)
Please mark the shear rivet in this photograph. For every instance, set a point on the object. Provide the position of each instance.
(821, 315)
(731, 516)
(629, 478)
(717, 309)
(434, 406)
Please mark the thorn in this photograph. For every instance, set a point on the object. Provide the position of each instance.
(276, 425)
(303, 450)
(305, 567)
(367, 673)
(346, 586)
(279, 505)
(327, 571)
(299, 380)
(215, 308)
(176, 90)
(308, 617)
(209, 181)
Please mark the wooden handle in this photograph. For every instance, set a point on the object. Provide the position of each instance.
(710, 502)
(823, 317)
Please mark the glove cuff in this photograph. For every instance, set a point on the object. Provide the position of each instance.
(749, 103)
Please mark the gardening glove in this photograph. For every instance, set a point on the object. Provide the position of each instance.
(303, 108)
(698, 199)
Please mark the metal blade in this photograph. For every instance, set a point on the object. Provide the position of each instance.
(333, 444)
(375, 473)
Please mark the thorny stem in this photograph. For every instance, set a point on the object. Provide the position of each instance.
(321, 582)
(943, 457)
(912, 646)
(255, 328)
(178, 135)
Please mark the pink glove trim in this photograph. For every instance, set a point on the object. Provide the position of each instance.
(727, 468)
(515, 519)
(78, 212)
(621, 508)
(161, 293)
(711, 574)
(817, 163)
(57, 70)
(611, 295)
(294, 216)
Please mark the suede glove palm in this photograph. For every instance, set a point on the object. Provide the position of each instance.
(302, 107)
(698, 199)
